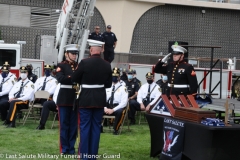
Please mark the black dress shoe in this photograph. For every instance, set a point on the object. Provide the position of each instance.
(11, 125)
(115, 133)
(40, 127)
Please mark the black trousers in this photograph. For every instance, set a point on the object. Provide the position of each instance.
(119, 116)
(134, 106)
(47, 107)
(4, 106)
(15, 106)
(108, 54)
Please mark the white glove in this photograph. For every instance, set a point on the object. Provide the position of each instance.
(164, 60)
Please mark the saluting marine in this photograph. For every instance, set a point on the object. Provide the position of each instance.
(65, 100)
(20, 95)
(6, 84)
(181, 75)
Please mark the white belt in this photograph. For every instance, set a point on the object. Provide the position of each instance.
(92, 86)
(178, 85)
(66, 86)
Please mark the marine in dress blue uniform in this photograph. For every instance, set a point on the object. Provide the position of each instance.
(65, 100)
(110, 40)
(117, 99)
(20, 95)
(6, 84)
(94, 75)
(181, 75)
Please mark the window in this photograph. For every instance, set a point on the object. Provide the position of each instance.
(8, 55)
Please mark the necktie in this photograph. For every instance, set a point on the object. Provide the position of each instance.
(20, 91)
(44, 84)
(148, 95)
(112, 96)
(1, 85)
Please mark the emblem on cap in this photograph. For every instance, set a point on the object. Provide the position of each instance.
(4, 67)
(6, 63)
(149, 74)
(115, 71)
(23, 67)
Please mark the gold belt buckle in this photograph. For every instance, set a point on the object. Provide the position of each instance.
(171, 85)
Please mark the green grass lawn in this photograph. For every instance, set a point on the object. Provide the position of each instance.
(26, 140)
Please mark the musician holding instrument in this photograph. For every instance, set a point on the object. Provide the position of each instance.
(65, 100)
(94, 75)
(20, 95)
(181, 75)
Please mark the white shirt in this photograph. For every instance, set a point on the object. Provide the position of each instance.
(51, 84)
(143, 91)
(12, 77)
(27, 91)
(120, 96)
(122, 83)
(55, 94)
(7, 85)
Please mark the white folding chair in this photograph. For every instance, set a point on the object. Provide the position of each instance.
(37, 95)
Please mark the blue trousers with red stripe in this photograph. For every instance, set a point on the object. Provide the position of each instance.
(90, 129)
(68, 129)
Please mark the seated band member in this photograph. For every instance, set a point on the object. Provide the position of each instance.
(6, 84)
(47, 107)
(46, 83)
(19, 97)
(148, 94)
(117, 98)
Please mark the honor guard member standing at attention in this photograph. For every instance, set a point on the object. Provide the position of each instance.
(110, 40)
(66, 96)
(132, 87)
(181, 75)
(46, 83)
(20, 95)
(6, 84)
(117, 99)
(94, 75)
(47, 107)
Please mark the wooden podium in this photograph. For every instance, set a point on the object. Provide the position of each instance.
(181, 107)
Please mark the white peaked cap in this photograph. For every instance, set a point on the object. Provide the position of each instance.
(95, 43)
(71, 47)
(177, 48)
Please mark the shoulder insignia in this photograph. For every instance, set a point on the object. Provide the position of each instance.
(31, 78)
(125, 89)
(160, 90)
(32, 86)
(58, 69)
(193, 73)
(15, 79)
